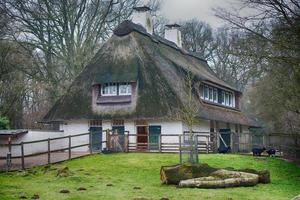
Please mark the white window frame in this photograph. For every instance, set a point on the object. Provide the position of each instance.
(112, 89)
(210, 94)
(206, 88)
(215, 92)
(128, 89)
(223, 97)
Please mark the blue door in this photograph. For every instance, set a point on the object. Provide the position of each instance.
(96, 134)
(225, 134)
(154, 134)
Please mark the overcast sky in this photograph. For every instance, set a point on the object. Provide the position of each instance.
(178, 10)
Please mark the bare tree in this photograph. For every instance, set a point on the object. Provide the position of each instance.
(62, 35)
(274, 37)
(197, 37)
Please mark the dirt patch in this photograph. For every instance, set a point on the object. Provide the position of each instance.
(81, 189)
(63, 172)
(35, 196)
(64, 191)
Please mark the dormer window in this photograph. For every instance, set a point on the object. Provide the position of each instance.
(116, 89)
(218, 96)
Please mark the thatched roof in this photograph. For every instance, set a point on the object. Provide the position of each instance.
(157, 65)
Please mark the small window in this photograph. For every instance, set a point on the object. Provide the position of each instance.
(210, 94)
(125, 89)
(215, 95)
(95, 123)
(223, 97)
(226, 99)
(109, 89)
(230, 99)
(205, 92)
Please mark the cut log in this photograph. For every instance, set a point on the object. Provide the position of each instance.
(174, 174)
(263, 176)
(221, 179)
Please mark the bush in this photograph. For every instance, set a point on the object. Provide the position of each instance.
(4, 123)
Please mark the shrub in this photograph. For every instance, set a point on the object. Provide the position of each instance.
(4, 123)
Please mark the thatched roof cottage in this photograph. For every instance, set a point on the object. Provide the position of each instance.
(136, 83)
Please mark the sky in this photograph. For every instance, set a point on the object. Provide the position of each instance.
(179, 10)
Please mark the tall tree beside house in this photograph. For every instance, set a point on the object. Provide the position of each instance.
(187, 114)
(276, 25)
(197, 36)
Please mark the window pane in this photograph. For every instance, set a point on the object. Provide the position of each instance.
(206, 92)
(109, 89)
(226, 99)
(125, 89)
(210, 94)
(215, 95)
(230, 99)
(223, 97)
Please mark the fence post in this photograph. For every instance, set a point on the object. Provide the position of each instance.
(196, 140)
(70, 144)
(148, 138)
(22, 156)
(180, 153)
(90, 140)
(107, 139)
(207, 148)
(159, 143)
(49, 161)
(126, 139)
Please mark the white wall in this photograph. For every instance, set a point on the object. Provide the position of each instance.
(76, 127)
(169, 127)
(203, 126)
(36, 147)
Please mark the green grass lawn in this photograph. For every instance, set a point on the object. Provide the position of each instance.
(126, 171)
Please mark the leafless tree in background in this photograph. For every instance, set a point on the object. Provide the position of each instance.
(58, 38)
(273, 32)
(197, 36)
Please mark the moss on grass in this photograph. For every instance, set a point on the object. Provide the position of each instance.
(126, 171)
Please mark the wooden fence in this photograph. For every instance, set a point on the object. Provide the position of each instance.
(170, 143)
(49, 150)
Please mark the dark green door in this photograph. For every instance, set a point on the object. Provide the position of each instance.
(225, 134)
(96, 133)
(154, 134)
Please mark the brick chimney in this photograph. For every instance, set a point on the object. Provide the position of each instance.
(173, 34)
(142, 16)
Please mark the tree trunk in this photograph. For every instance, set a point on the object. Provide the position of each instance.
(221, 179)
(202, 175)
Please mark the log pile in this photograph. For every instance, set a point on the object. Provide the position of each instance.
(204, 176)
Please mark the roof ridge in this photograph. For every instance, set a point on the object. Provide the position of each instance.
(127, 26)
